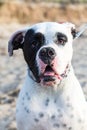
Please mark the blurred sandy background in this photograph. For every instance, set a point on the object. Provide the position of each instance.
(15, 15)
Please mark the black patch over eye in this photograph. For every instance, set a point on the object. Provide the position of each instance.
(39, 36)
(61, 39)
(38, 40)
(34, 44)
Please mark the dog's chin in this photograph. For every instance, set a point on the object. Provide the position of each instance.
(49, 81)
(50, 78)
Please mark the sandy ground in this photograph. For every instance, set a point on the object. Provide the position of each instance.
(13, 71)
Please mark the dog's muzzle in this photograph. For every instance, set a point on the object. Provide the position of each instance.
(48, 75)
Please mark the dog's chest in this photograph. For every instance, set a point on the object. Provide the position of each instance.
(46, 112)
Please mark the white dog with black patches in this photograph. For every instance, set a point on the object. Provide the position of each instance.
(51, 97)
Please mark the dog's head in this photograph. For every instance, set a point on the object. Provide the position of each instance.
(47, 49)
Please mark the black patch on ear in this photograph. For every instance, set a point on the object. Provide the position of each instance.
(32, 43)
(17, 41)
(73, 32)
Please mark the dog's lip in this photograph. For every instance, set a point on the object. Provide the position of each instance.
(49, 71)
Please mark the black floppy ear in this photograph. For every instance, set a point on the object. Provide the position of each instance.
(16, 41)
(73, 32)
(71, 28)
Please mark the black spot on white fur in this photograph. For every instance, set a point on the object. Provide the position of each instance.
(27, 96)
(41, 115)
(64, 125)
(56, 125)
(70, 128)
(36, 120)
(47, 102)
(53, 117)
(27, 110)
(55, 100)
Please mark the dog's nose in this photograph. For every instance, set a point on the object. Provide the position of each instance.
(47, 54)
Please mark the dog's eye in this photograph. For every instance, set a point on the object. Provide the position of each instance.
(61, 39)
(34, 44)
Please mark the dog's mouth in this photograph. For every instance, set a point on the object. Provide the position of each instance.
(49, 76)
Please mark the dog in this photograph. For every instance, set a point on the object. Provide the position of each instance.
(51, 97)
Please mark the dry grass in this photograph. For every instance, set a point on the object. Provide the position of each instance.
(32, 13)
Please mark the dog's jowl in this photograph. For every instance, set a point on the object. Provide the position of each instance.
(51, 97)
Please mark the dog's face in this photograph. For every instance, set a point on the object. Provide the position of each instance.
(47, 49)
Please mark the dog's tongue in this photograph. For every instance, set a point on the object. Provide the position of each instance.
(49, 73)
